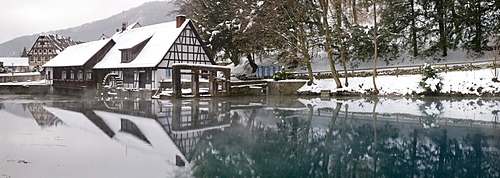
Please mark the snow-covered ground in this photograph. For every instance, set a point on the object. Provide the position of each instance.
(465, 82)
(474, 82)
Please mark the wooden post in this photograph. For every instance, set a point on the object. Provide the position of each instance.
(176, 82)
(212, 83)
(195, 82)
(227, 83)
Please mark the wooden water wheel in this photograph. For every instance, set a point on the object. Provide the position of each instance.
(110, 84)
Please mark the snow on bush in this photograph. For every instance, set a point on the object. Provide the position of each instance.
(431, 82)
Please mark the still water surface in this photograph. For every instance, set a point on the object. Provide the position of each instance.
(249, 137)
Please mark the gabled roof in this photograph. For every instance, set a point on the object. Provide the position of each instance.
(103, 37)
(77, 55)
(60, 42)
(134, 25)
(162, 38)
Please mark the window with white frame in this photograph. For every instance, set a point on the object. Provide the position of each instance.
(89, 74)
(63, 75)
(80, 75)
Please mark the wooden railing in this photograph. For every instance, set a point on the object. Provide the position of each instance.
(399, 70)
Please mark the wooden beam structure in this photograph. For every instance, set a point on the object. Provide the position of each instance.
(196, 71)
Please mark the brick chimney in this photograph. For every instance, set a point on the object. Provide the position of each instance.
(180, 20)
(124, 26)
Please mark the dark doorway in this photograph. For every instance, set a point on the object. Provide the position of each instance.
(143, 78)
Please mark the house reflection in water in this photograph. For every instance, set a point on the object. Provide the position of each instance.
(170, 128)
(43, 117)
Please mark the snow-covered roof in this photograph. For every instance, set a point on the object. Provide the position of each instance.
(60, 42)
(18, 61)
(159, 141)
(77, 55)
(134, 25)
(162, 36)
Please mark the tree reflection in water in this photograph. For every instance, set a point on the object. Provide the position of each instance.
(345, 148)
(287, 138)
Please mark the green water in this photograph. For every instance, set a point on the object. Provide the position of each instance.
(250, 137)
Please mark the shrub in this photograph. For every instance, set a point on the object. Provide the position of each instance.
(281, 75)
(431, 82)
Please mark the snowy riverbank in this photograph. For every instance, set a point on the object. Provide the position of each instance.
(476, 82)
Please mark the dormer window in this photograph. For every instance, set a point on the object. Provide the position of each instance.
(129, 54)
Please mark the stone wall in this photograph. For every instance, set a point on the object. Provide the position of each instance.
(4, 78)
(284, 87)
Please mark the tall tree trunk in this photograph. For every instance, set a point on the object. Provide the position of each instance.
(441, 23)
(310, 72)
(354, 12)
(442, 154)
(304, 50)
(414, 153)
(338, 13)
(413, 30)
(478, 27)
(375, 91)
(328, 43)
(367, 2)
(329, 136)
(374, 116)
(252, 63)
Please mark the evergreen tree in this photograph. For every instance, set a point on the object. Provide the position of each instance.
(403, 25)
(214, 19)
(480, 19)
(24, 53)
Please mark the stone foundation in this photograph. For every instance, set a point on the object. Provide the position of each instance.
(284, 87)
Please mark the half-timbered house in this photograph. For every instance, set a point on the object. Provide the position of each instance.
(143, 56)
(46, 47)
(134, 58)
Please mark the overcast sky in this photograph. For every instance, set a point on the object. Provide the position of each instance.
(27, 17)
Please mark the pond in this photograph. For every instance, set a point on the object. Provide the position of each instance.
(280, 136)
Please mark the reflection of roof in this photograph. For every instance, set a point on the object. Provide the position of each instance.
(17, 109)
(159, 141)
(162, 37)
(18, 61)
(75, 120)
(77, 55)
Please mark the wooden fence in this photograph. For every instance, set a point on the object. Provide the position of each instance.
(400, 70)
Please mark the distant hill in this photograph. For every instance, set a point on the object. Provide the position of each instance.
(146, 14)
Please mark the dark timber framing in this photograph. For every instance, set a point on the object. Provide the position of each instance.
(196, 71)
(187, 48)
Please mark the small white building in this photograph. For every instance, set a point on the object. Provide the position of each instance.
(15, 64)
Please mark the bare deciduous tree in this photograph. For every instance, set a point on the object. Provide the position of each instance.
(375, 91)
